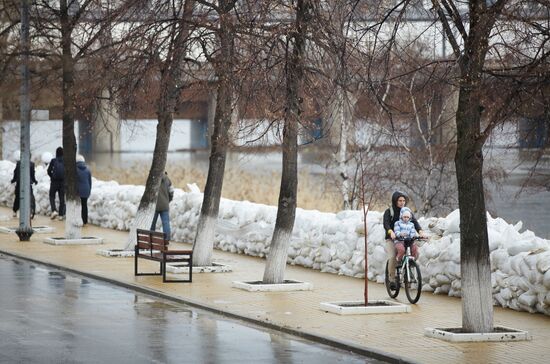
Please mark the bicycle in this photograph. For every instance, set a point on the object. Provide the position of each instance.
(411, 278)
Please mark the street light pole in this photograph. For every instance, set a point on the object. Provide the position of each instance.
(25, 230)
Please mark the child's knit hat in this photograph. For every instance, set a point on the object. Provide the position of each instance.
(405, 211)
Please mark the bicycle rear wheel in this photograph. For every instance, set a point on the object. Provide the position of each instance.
(413, 282)
(391, 292)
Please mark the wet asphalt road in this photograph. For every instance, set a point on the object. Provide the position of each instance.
(50, 316)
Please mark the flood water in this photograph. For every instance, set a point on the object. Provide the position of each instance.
(50, 316)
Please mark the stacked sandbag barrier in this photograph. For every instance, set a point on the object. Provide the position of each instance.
(332, 243)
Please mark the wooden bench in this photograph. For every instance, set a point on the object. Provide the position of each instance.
(152, 245)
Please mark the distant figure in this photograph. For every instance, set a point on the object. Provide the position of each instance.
(56, 171)
(84, 177)
(166, 193)
(15, 180)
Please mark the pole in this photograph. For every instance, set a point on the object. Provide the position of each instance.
(25, 230)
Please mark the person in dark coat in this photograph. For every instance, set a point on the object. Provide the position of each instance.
(56, 171)
(84, 187)
(15, 179)
(391, 216)
(166, 193)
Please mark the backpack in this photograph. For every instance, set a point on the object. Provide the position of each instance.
(58, 169)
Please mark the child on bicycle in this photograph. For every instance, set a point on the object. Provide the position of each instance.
(403, 229)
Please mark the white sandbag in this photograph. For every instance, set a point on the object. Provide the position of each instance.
(498, 257)
(528, 299)
(453, 222)
(543, 261)
(521, 247)
(323, 255)
(500, 277)
(443, 289)
(380, 255)
(429, 251)
(344, 252)
(442, 279)
(499, 300)
(546, 279)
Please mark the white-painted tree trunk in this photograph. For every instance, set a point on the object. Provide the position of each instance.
(204, 242)
(73, 219)
(276, 260)
(342, 115)
(143, 220)
(477, 298)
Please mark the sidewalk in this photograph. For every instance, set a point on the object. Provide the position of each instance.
(397, 335)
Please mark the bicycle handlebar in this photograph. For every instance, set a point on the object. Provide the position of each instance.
(401, 238)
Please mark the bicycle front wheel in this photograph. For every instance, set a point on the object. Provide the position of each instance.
(392, 291)
(413, 282)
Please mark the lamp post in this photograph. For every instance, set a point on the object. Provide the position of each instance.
(25, 230)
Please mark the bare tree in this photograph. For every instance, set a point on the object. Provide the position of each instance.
(286, 209)
(174, 45)
(9, 18)
(491, 44)
(65, 33)
(223, 63)
(499, 56)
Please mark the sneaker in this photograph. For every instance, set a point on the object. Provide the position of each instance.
(14, 214)
(393, 286)
(61, 218)
(53, 215)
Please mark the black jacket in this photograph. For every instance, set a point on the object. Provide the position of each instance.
(56, 170)
(390, 218)
(16, 173)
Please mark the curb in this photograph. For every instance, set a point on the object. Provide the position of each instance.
(339, 344)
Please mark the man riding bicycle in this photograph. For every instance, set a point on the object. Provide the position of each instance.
(391, 216)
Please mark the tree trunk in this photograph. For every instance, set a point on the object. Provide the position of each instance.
(73, 220)
(343, 114)
(1, 127)
(148, 202)
(286, 211)
(204, 240)
(477, 301)
(166, 106)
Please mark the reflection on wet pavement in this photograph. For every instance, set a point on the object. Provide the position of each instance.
(50, 316)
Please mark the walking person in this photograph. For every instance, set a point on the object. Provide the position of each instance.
(166, 193)
(56, 171)
(15, 179)
(84, 180)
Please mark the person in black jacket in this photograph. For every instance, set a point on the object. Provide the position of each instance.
(15, 180)
(391, 215)
(56, 171)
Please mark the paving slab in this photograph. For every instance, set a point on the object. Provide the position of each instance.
(400, 335)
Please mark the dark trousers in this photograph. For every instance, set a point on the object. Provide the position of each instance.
(84, 204)
(16, 201)
(59, 188)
